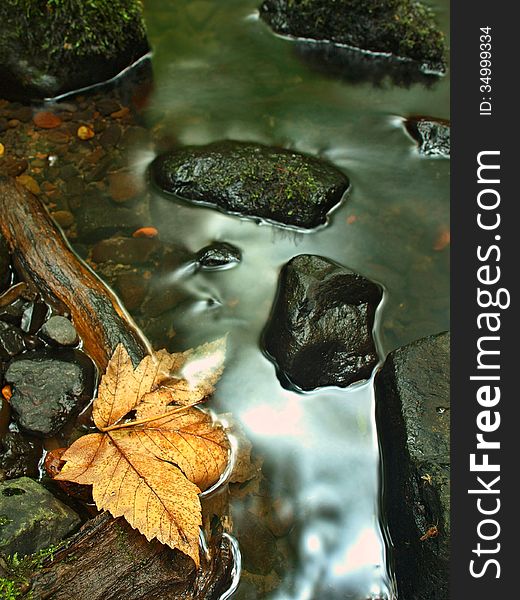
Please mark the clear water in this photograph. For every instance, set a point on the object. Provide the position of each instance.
(221, 73)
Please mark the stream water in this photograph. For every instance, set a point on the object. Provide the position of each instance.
(221, 73)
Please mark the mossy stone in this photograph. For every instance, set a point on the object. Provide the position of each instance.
(51, 47)
(253, 180)
(403, 28)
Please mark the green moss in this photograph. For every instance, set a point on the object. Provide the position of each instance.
(65, 28)
(20, 570)
(401, 27)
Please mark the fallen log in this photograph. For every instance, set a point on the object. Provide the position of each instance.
(108, 560)
(44, 259)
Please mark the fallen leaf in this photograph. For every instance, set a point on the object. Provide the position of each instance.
(152, 468)
(2, 149)
(146, 232)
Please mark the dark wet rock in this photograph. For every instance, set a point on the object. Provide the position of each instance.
(32, 518)
(48, 387)
(403, 28)
(5, 264)
(320, 329)
(107, 106)
(219, 255)
(59, 331)
(253, 180)
(34, 316)
(14, 302)
(413, 417)
(432, 135)
(11, 341)
(132, 289)
(84, 44)
(19, 456)
(127, 251)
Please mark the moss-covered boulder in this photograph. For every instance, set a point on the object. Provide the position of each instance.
(403, 28)
(51, 47)
(253, 180)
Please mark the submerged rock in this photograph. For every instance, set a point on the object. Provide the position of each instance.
(32, 518)
(320, 329)
(5, 264)
(11, 341)
(49, 386)
(403, 28)
(413, 418)
(47, 51)
(218, 256)
(253, 180)
(432, 135)
(19, 456)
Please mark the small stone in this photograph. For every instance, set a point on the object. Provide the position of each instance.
(124, 186)
(46, 120)
(106, 106)
(23, 114)
(11, 341)
(48, 387)
(64, 218)
(320, 329)
(32, 518)
(2, 149)
(58, 137)
(29, 183)
(432, 135)
(132, 289)
(19, 456)
(145, 232)
(13, 123)
(218, 256)
(14, 166)
(111, 136)
(85, 133)
(59, 331)
(120, 114)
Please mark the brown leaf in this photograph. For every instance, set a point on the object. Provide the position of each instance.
(152, 469)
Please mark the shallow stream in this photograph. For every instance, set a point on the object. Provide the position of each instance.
(312, 529)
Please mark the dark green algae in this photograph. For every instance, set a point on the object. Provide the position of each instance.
(403, 28)
(253, 180)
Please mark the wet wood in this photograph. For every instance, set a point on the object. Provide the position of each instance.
(46, 262)
(108, 560)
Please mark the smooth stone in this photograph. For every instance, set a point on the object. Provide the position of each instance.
(218, 256)
(403, 28)
(32, 518)
(413, 420)
(432, 135)
(59, 331)
(48, 387)
(320, 329)
(253, 180)
(127, 251)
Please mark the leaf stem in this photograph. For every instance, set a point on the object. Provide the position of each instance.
(148, 419)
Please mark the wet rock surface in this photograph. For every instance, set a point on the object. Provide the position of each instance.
(253, 180)
(5, 264)
(413, 416)
(403, 28)
(59, 331)
(320, 329)
(218, 256)
(73, 56)
(19, 456)
(11, 341)
(32, 518)
(48, 387)
(432, 135)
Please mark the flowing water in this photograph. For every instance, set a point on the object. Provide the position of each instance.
(221, 73)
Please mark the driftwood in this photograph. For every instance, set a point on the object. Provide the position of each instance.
(106, 559)
(46, 262)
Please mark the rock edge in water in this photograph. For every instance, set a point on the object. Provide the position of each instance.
(253, 180)
(48, 52)
(413, 419)
(320, 329)
(403, 28)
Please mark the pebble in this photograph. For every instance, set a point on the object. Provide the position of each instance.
(59, 331)
(124, 186)
(64, 218)
(46, 120)
(29, 183)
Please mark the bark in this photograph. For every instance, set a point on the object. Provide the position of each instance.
(46, 262)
